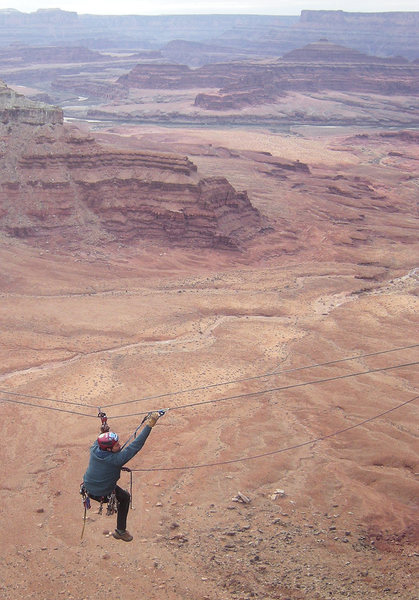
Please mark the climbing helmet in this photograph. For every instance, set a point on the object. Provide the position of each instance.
(107, 440)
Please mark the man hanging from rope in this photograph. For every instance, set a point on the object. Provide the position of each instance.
(106, 461)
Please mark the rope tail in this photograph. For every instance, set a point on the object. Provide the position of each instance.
(130, 487)
(86, 504)
(84, 522)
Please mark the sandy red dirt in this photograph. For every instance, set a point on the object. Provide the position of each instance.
(121, 324)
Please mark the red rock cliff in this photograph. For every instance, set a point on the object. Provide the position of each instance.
(313, 68)
(15, 108)
(58, 185)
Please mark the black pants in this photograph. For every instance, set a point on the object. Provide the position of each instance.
(123, 498)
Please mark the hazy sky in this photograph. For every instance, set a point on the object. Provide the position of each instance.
(155, 7)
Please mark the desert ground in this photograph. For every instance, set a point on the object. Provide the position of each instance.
(289, 368)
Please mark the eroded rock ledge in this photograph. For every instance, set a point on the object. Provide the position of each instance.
(59, 186)
(15, 108)
(316, 67)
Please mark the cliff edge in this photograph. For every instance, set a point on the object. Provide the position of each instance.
(59, 186)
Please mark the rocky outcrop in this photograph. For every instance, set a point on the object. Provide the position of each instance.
(15, 108)
(58, 186)
(316, 67)
(157, 76)
(325, 52)
(58, 67)
(171, 76)
(234, 100)
(78, 84)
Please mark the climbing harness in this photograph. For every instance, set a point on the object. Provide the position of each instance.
(112, 504)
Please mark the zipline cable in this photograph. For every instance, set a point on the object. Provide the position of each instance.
(62, 410)
(236, 397)
(47, 399)
(212, 385)
(209, 386)
(293, 447)
(275, 389)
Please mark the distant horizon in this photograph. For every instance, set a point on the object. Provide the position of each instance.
(207, 7)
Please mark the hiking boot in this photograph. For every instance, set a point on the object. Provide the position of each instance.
(122, 535)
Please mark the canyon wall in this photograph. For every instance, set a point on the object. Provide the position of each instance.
(58, 186)
(216, 37)
(315, 67)
(15, 108)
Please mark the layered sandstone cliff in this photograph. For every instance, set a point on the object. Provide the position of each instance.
(325, 52)
(15, 108)
(172, 76)
(315, 67)
(59, 186)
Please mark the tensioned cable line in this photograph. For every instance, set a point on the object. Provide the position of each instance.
(236, 397)
(275, 389)
(291, 370)
(63, 410)
(184, 391)
(286, 449)
(47, 399)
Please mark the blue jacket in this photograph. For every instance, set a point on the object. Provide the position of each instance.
(104, 468)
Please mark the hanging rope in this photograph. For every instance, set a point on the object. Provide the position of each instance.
(293, 447)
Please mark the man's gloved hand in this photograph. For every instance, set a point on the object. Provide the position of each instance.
(104, 428)
(152, 418)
